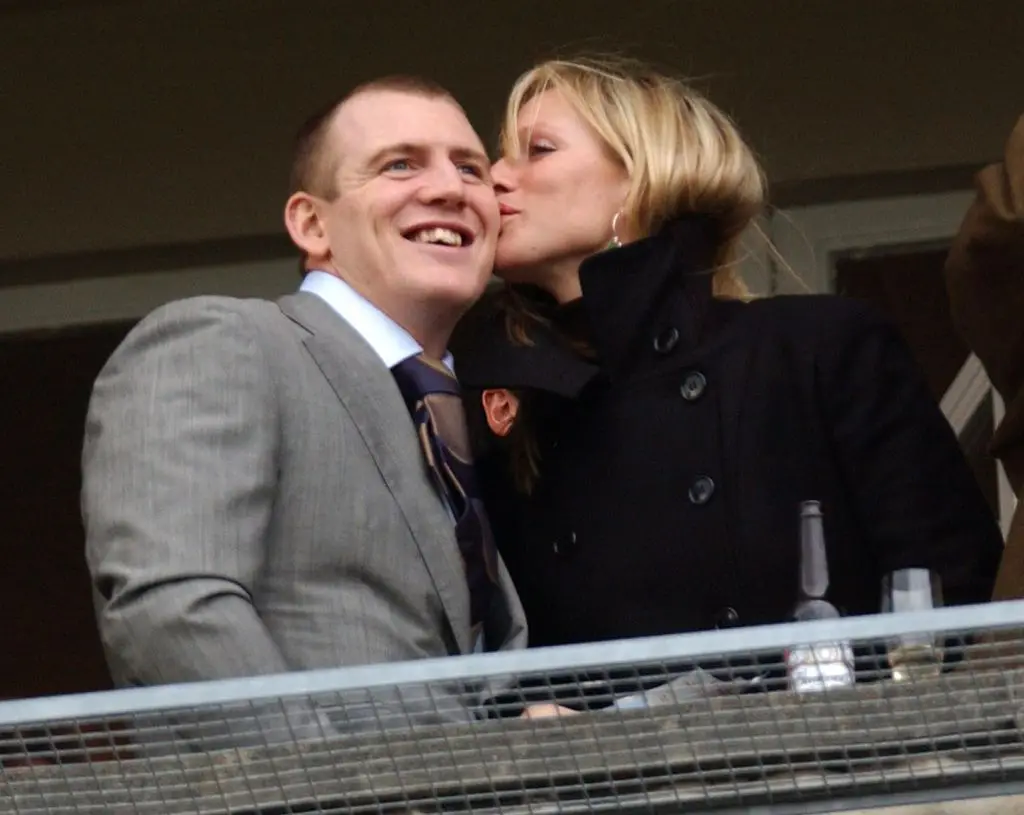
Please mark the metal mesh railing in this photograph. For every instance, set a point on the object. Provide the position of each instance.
(689, 722)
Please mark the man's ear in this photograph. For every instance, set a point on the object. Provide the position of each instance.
(302, 220)
(500, 407)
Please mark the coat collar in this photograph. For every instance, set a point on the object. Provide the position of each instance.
(625, 289)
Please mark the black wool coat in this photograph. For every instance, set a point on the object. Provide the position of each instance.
(673, 463)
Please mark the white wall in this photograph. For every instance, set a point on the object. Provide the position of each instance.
(108, 299)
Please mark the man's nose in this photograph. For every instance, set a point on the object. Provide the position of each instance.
(504, 178)
(444, 184)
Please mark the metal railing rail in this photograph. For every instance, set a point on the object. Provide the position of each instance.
(446, 734)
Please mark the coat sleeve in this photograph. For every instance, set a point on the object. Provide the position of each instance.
(916, 499)
(179, 473)
(985, 280)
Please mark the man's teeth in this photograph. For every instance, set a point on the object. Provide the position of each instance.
(448, 237)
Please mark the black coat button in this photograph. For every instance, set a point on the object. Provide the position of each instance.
(564, 544)
(666, 341)
(693, 386)
(701, 490)
(727, 617)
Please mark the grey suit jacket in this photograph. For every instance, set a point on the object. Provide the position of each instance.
(256, 502)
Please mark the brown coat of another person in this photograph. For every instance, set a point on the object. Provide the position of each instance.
(985, 278)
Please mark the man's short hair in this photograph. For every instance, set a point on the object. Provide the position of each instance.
(313, 167)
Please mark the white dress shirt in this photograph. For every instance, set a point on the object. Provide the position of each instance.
(391, 342)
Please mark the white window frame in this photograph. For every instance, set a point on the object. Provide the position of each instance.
(811, 238)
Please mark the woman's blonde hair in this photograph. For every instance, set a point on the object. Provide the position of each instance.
(682, 153)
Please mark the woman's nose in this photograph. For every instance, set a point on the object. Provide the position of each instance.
(504, 178)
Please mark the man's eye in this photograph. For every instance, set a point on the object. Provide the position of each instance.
(472, 169)
(398, 165)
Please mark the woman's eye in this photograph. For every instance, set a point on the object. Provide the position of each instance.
(540, 148)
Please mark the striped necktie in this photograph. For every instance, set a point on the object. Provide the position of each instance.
(434, 398)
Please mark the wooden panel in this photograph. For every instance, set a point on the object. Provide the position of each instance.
(50, 640)
(909, 288)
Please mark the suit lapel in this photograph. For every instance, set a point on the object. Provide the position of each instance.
(371, 398)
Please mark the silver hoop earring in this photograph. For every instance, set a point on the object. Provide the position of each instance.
(615, 242)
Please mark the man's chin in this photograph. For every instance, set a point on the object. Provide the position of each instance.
(457, 296)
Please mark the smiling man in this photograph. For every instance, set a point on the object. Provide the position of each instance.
(257, 494)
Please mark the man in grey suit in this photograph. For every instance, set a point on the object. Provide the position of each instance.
(256, 498)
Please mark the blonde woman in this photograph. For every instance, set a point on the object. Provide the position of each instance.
(656, 429)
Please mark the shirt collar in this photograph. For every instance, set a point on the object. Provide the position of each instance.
(388, 339)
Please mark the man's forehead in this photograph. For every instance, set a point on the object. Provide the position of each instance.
(372, 120)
